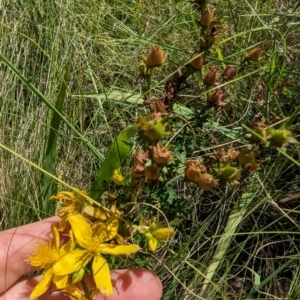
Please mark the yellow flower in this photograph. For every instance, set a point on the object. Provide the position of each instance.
(72, 203)
(159, 234)
(92, 245)
(117, 177)
(44, 256)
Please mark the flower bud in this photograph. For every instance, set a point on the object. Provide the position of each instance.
(118, 178)
(163, 234)
(154, 130)
(192, 173)
(254, 54)
(161, 154)
(230, 174)
(137, 171)
(140, 158)
(216, 97)
(197, 61)
(206, 18)
(259, 129)
(246, 156)
(193, 170)
(152, 244)
(156, 57)
(148, 235)
(229, 72)
(216, 100)
(279, 137)
(206, 181)
(211, 77)
(78, 275)
(152, 172)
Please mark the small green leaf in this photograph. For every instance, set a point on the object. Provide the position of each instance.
(257, 280)
(113, 160)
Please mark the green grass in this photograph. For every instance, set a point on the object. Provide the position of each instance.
(233, 236)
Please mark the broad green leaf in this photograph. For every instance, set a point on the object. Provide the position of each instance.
(113, 160)
(50, 155)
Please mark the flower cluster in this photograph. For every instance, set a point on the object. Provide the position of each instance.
(91, 233)
(153, 128)
(225, 167)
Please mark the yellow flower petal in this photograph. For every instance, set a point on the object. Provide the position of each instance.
(81, 229)
(72, 262)
(95, 212)
(69, 246)
(61, 281)
(56, 239)
(108, 230)
(163, 234)
(101, 274)
(43, 285)
(119, 249)
(74, 293)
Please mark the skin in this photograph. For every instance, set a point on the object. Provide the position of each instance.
(18, 244)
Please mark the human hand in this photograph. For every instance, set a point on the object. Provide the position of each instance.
(18, 244)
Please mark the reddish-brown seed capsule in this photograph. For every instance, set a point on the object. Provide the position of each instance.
(211, 77)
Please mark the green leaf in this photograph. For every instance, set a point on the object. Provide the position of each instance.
(50, 154)
(113, 160)
(257, 280)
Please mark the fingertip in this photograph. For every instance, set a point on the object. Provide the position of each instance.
(135, 284)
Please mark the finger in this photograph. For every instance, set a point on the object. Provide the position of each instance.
(16, 246)
(22, 289)
(133, 284)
